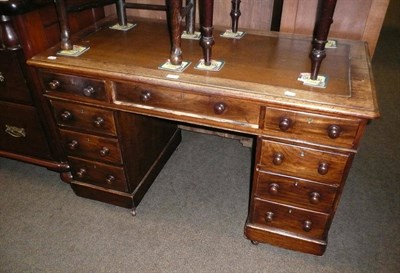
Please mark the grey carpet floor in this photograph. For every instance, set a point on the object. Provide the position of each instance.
(192, 218)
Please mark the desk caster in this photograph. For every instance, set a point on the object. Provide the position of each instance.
(133, 212)
(254, 242)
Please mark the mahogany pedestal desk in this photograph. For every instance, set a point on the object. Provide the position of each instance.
(115, 116)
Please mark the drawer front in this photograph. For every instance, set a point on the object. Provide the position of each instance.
(311, 127)
(297, 192)
(84, 117)
(21, 131)
(199, 106)
(98, 174)
(313, 164)
(13, 85)
(81, 87)
(289, 219)
(92, 147)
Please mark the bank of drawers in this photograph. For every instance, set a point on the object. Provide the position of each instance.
(301, 164)
(90, 140)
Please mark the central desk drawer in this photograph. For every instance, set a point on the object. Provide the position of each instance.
(92, 147)
(199, 106)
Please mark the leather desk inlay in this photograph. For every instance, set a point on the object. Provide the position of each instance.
(116, 115)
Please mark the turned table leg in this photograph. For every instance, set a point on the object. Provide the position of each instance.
(206, 10)
(235, 14)
(174, 15)
(321, 35)
(121, 13)
(191, 16)
(66, 43)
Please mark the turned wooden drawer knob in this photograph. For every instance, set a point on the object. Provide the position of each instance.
(278, 158)
(54, 84)
(81, 173)
(269, 216)
(285, 124)
(307, 225)
(89, 91)
(145, 96)
(73, 145)
(66, 116)
(273, 189)
(323, 168)
(104, 151)
(315, 197)
(219, 108)
(334, 131)
(110, 179)
(98, 122)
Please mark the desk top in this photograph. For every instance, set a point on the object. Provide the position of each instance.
(261, 67)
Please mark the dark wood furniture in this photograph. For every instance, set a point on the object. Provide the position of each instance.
(28, 27)
(115, 116)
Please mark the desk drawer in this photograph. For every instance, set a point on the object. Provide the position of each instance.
(92, 147)
(311, 127)
(307, 163)
(21, 131)
(84, 117)
(294, 191)
(81, 87)
(201, 106)
(289, 219)
(99, 174)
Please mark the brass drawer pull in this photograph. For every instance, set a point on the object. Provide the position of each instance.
(15, 131)
(285, 124)
(73, 145)
(66, 115)
(2, 78)
(334, 131)
(54, 84)
(110, 179)
(98, 122)
(104, 151)
(81, 173)
(89, 91)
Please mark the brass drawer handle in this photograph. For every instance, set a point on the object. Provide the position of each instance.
(15, 131)
(89, 91)
(81, 173)
(104, 151)
(54, 84)
(66, 116)
(73, 145)
(2, 78)
(98, 122)
(110, 179)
